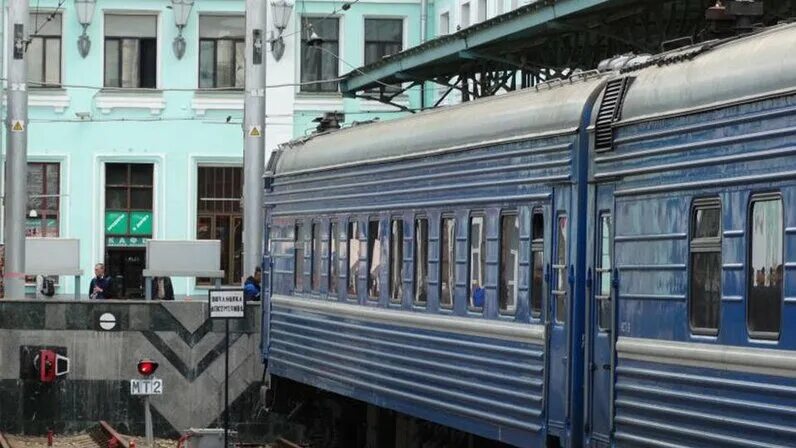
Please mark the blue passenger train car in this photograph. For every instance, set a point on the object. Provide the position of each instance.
(604, 261)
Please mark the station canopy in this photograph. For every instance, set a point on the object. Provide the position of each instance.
(549, 39)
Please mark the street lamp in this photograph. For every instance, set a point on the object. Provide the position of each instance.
(85, 13)
(280, 11)
(182, 10)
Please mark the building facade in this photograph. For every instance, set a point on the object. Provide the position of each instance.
(130, 142)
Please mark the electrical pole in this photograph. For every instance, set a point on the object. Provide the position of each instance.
(16, 174)
(254, 136)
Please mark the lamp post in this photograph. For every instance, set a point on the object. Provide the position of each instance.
(85, 14)
(280, 11)
(182, 10)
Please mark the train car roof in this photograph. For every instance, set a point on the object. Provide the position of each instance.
(526, 113)
(714, 74)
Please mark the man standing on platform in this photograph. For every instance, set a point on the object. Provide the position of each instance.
(100, 286)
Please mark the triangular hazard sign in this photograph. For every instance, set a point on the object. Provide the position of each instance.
(255, 132)
(17, 127)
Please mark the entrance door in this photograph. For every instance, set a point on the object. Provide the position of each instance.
(600, 319)
(125, 266)
(559, 276)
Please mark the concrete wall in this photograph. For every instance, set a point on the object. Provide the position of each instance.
(179, 335)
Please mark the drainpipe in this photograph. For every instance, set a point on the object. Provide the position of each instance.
(423, 38)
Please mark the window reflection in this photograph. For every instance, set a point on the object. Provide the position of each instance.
(766, 268)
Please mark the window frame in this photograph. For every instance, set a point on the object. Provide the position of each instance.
(509, 311)
(704, 245)
(396, 299)
(370, 255)
(298, 256)
(482, 256)
(316, 256)
(310, 89)
(333, 274)
(537, 245)
(214, 204)
(600, 269)
(561, 270)
(233, 75)
(382, 43)
(43, 211)
(352, 234)
(749, 272)
(451, 287)
(45, 38)
(416, 262)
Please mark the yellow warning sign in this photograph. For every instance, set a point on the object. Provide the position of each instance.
(255, 131)
(18, 126)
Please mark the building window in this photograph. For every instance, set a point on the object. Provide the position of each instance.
(44, 50)
(464, 18)
(444, 23)
(131, 51)
(353, 258)
(383, 37)
(221, 51)
(396, 260)
(705, 279)
(477, 262)
(219, 216)
(448, 263)
(298, 257)
(604, 266)
(482, 12)
(316, 257)
(766, 268)
(335, 248)
(320, 63)
(374, 259)
(537, 255)
(560, 271)
(421, 261)
(44, 199)
(509, 261)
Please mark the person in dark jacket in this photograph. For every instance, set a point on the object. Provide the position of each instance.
(251, 287)
(100, 286)
(162, 288)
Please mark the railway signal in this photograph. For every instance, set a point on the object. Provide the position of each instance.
(147, 367)
(146, 387)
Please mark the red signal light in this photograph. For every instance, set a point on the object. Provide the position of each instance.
(147, 367)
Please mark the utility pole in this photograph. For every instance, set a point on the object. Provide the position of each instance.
(16, 174)
(254, 136)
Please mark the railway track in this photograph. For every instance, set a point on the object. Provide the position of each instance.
(103, 435)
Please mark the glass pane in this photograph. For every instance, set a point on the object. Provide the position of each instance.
(353, 257)
(477, 261)
(374, 259)
(35, 186)
(219, 27)
(383, 37)
(141, 198)
(561, 271)
(396, 260)
(131, 53)
(52, 72)
(141, 174)
(316, 257)
(112, 75)
(51, 226)
(320, 63)
(604, 273)
(225, 59)
(130, 25)
(707, 222)
(35, 57)
(236, 246)
(52, 186)
(705, 290)
(207, 63)
(509, 262)
(334, 248)
(767, 269)
(240, 64)
(115, 174)
(203, 228)
(448, 276)
(41, 26)
(115, 198)
(421, 261)
(536, 288)
(298, 258)
(222, 234)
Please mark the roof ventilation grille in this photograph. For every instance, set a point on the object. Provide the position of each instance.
(610, 111)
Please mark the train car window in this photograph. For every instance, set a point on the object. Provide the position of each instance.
(396, 260)
(335, 247)
(298, 258)
(705, 277)
(448, 263)
(766, 268)
(604, 266)
(353, 258)
(477, 261)
(374, 259)
(537, 252)
(509, 262)
(421, 261)
(316, 257)
(560, 268)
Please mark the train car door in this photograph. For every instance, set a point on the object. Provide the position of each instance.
(559, 276)
(600, 323)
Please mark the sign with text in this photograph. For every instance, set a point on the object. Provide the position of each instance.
(116, 223)
(152, 386)
(227, 304)
(141, 223)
